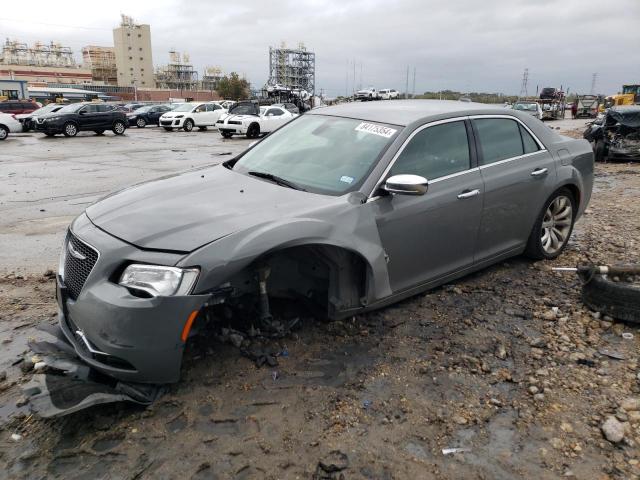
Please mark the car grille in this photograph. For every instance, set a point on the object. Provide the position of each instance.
(166, 122)
(76, 270)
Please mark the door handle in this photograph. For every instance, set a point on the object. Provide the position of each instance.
(469, 194)
(539, 171)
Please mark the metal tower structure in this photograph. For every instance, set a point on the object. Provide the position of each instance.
(178, 74)
(292, 68)
(594, 78)
(525, 81)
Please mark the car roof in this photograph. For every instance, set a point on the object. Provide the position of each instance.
(404, 112)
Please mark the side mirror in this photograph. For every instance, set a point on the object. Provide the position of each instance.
(406, 185)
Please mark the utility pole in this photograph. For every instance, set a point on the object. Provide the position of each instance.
(594, 78)
(413, 95)
(406, 90)
(354, 77)
(360, 87)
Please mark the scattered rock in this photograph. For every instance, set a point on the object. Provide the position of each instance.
(613, 429)
(459, 419)
(533, 389)
(630, 404)
(3, 376)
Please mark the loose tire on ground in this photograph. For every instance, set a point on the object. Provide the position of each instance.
(70, 129)
(119, 127)
(619, 300)
(535, 248)
(188, 125)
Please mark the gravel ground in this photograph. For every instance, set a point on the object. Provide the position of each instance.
(504, 364)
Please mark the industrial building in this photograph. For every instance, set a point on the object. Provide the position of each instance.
(13, 90)
(41, 62)
(292, 68)
(178, 74)
(211, 78)
(102, 63)
(132, 46)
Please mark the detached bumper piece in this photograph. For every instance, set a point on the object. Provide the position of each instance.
(70, 385)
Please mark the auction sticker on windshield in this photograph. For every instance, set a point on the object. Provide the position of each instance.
(380, 130)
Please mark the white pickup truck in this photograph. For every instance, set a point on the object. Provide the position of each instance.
(367, 94)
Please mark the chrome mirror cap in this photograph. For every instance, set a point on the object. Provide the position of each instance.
(406, 185)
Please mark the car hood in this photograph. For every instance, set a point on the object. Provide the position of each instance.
(231, 116)
(183, 212)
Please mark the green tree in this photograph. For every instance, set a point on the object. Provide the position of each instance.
(232, 87)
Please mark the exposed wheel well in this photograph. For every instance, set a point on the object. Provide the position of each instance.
(326, 277)
(575, 191)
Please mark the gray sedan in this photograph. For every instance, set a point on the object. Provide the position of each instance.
(345, 209)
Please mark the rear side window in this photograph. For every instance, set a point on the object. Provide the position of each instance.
(499, 139)
(435, 152)
(528, 142)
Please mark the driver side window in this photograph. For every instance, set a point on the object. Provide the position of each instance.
(435, 152)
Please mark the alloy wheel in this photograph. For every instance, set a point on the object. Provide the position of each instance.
(70, 129)
(3, 133)
(118, 128)
(141, 123)
(556, 224)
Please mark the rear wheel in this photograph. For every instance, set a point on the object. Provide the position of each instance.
(70, 129)
(600, 151)
(119, 127)
(253, 131)
(188, 125)
(4, 132)
(553, 227)
(98, 132)
(141, 122)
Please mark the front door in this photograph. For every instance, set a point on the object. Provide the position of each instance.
(90, 118)
(519, 175)
(429, 236)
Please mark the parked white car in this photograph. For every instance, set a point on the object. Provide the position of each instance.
(247, 118)
(388, 94)
(367, 94)
(192, 114)
(8, 124)
(532, 108)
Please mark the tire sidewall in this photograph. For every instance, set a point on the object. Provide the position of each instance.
(534, 246)
(4, 132)
(188, 125)
(253, 131)
(115, 127)
(141, 122)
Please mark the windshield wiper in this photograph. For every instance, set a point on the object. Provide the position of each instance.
(276, 179)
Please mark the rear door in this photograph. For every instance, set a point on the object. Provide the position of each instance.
(429, 236)
(519, 175)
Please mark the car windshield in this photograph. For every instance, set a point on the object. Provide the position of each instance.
(529, 107)
(185, 107)
(321, 154)
(71, 108)
(46, 109)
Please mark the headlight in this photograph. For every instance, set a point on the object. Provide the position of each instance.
(159, 281)
(179, 116)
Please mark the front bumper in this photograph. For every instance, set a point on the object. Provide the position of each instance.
(129, 338)
(48, 127)
(172, 122)
(231, 128)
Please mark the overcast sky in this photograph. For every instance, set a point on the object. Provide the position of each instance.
(465, 45)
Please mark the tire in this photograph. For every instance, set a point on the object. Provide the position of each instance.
(202, 129)
(600, 151)
(98, 132)
(226, 134)
(70, 129)
(141, 122)
(4, 132)
(168, 129)
(188, 125)
(119, 127)
(253, 131)
(547, 242)
(619, 300)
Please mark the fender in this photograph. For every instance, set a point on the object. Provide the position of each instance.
(353, 229)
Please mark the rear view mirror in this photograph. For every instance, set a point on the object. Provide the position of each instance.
(406, 185)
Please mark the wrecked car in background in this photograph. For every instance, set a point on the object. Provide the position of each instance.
(344, 210)
(616, 136)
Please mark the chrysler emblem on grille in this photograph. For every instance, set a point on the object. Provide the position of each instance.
(75, 252)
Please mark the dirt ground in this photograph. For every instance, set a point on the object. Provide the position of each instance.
(504, 364)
